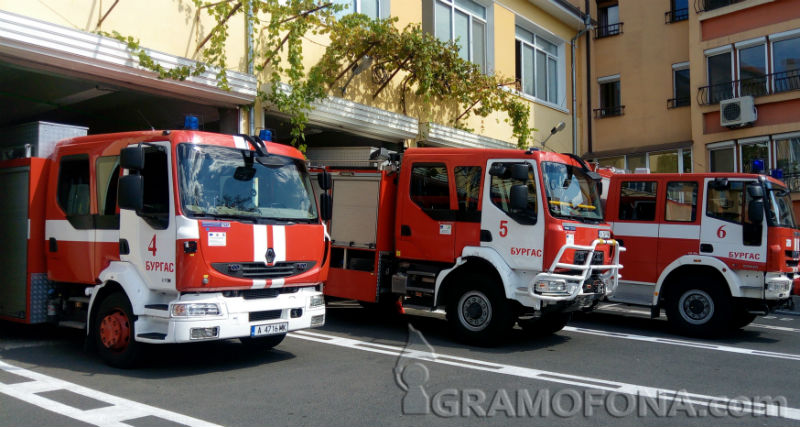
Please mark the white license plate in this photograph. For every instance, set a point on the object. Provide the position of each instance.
(270, 329)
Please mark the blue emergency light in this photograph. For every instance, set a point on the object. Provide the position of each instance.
(757, 166)
(265, 134)
(190, 122)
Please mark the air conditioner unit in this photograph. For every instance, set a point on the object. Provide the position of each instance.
(737, 112)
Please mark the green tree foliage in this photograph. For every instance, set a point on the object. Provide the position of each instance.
(423, 65)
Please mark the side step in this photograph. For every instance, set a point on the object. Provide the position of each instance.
(421, 310)
(152, 336)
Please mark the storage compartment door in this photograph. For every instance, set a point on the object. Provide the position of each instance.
(14, 229)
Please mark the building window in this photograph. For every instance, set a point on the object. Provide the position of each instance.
(753, 70)
(679, 11)
(754, 156)
(375, 9)
(537, 66)
(680, 86)
(609, 23)
(612, 162)
(786, 64)
(787, 156)
(610, 102)
(722, 157)
(671, 161)
(720, 77)
(463, 22)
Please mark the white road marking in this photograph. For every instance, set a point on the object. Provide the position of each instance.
(786, 319)
(541, 375)
(118, 411)
(777, 328)
(684, 343)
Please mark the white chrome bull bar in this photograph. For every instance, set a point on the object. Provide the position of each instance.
(610, 276)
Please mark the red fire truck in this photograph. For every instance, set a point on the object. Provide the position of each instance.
(491, 236)
(714, 250)
(163, 237)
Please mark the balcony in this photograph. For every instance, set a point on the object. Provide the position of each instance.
(676, 15)
(706, 5)
(608, 30)
(784, 81)
(682, 101)
(601, 113)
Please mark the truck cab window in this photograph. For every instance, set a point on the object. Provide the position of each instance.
(468, 187)
(430, 189)
(500, 194)
(681, 202)
(156, 188)
(74, 197)
(107, 173)
(726, 203)
(637, 201)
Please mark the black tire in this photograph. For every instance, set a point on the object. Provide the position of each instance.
(548, 324)
(697, 307)
(114, 332)
(741, 318)
(479, 313)
(262, 343)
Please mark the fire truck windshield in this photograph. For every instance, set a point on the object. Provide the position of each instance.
(224, 182)
(571, 193)
(779, 208)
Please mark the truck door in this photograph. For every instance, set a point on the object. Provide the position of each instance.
(516, 235)
(679, 233)
(147, 238)
(727, 231)
(637, 226)
(426, 218)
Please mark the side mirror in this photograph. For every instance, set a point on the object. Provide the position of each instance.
(325, 206)
(519, 172)
(519, 197)
(755, 191)
(755, 211)
(132, 158)
(131, 192)
(324, 180)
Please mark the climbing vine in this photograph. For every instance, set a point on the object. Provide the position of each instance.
(418, 64)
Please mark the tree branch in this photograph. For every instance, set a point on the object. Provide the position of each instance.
(219, 25)
(397, 70)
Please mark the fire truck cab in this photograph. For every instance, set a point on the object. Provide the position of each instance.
(164, 237)
(491, 236)
(714, 250)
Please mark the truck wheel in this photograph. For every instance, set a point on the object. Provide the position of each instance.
(114, 332)
(548, 324)
(262, 343)
(741, 318)
(697, 308)
(480, 314)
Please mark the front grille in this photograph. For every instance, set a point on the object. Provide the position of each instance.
(258, 316)
(597, 259)
(259, 270)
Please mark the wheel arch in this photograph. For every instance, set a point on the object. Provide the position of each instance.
(466, 266)
(719, 273)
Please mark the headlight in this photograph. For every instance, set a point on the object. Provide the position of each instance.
(195, 309)
(551, 287)
(778, 287)
(316, 301)
(604, 234)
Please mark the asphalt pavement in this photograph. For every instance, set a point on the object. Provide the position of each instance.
(614, 366)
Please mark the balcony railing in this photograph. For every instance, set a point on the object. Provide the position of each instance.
(676, 15)
(706, 5)
(784, 81)
(600, 113)
(608, 30)
(681, 101)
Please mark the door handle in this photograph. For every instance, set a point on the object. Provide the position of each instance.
(706, 247)
(53, 244)
(405, 230)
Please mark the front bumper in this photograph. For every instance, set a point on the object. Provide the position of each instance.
(236, 317)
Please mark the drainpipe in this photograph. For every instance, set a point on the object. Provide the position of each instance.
(587, 26)
(250, 67)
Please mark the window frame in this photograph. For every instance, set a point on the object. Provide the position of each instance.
(681, 66)
(81, 220)
(604, 109)
(656, 189)
(384, 9)
(449, 185)
(754, 141)
(719, 146)
(749, 44)
(487, 65)
(696, 196)
(558, 58)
